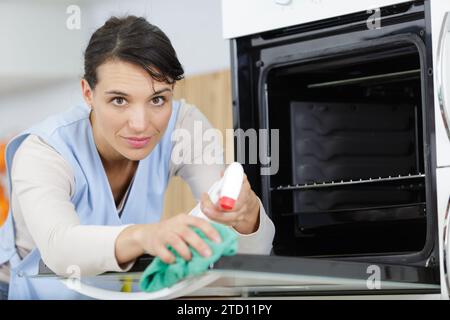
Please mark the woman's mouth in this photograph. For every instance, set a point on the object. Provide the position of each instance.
(138, 142)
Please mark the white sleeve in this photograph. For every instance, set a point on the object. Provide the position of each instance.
(191, 167)
(260, 241)
(200, 177)
(42, 182)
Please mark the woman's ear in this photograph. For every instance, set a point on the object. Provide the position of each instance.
(87, 92)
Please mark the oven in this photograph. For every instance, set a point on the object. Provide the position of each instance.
(357, 94)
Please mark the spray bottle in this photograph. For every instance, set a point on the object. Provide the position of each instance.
(224, 192)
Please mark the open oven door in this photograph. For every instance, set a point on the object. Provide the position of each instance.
(269, 276)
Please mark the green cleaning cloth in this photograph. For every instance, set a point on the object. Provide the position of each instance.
(159, 275)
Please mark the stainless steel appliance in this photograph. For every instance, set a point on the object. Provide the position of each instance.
(359, 95)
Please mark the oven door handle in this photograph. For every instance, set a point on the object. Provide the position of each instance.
(442, 73)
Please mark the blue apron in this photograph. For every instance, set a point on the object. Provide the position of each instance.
(70, 134)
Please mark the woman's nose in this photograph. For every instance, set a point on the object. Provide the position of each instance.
(137, 119)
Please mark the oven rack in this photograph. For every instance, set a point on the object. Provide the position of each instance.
(316, 185)
(386, 76)
(308, 221)
(420, 211)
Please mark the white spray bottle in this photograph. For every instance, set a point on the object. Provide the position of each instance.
(224, 192)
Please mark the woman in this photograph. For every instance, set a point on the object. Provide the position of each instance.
(87, 185)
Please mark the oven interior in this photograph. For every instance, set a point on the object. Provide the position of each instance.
(351, 178)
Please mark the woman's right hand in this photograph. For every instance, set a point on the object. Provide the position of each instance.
(154, 239)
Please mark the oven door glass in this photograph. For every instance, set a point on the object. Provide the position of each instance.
(267, 276)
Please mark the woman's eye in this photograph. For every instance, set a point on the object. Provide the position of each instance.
(158, 101)
(119, 101)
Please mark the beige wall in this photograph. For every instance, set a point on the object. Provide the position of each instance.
(211, 93)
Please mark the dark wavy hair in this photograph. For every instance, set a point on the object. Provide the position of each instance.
(132, 39)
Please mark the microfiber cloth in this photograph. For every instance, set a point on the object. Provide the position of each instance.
(159, 275)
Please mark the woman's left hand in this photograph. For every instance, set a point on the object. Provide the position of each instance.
(244, 217)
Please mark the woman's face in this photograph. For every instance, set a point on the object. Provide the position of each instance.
(130, 110)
